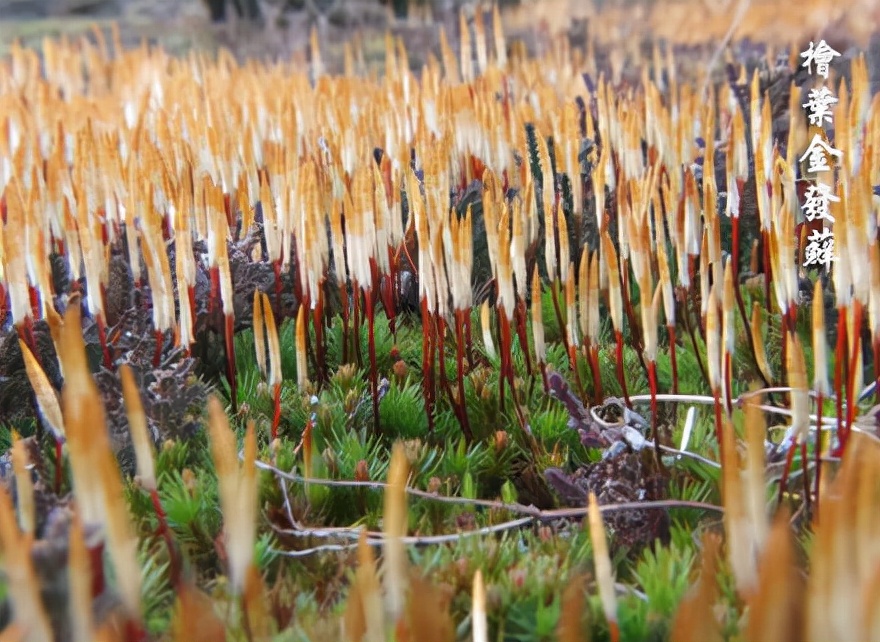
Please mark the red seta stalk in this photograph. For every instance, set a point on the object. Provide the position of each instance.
(320, 340)
(371, 347)
(428, 363)
(230, 362)
(213, 300)
(96, 557)
(655, 421)
(356, 320)
(621, 375)
(276, 268)
(165, 532)
(276, 418)
(159, 337)
(783, 482)
(674, 361)
(520, 318)
(506, 360)
(343, 297)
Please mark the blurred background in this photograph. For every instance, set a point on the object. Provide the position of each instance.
(279, 29)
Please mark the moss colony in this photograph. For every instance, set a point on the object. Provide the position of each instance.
(508, 348)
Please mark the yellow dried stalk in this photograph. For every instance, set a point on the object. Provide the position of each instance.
(737, 524)
(79, 579)
(194, 618)
(302, 366)
(713, 340)
(480, 42)
(537, 321)
(570, 628)
(238, 487)
(137, 421)
(583, 292)
(758, 339)
(47, 398)
(602, 562)
(695, 619)
(615, 296)
(775, 609)
(395, 569)
(665, 279)
(15, 269)
(797, 380)
(844, 553)
(486, 325)
(728, 330)
(23, 588)
(571, 320)
(259, 333)
(754, 477)
(498, 37)
(465, 50)
(364, 618)
(24, 486)
(479, 624)
(275, 376)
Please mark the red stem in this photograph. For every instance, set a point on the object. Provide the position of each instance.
(230, 363)
(428, 363)
(276, 267)
(371, 346)
(343, 297)
(506, 357)
(520, 318)
(165, 532)
(276, 419)
(621, 376)
(320, 341)
(159, 336)
(459, 340)
(215, 289)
